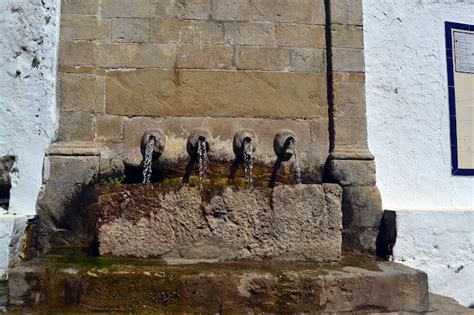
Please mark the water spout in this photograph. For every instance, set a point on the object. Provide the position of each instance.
(198, 146)
(244, 145)
(153, 144)
(285, 146)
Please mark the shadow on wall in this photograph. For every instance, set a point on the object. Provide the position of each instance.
(6, 168)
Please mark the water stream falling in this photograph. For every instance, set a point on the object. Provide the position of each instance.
(296, 156)
(149, 148)
(248, 161)
(202, 160)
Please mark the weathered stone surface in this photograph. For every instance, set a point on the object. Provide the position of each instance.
(300, 35)
(85, 7)
(308, 60)
(346, 12)
(204, 57)
(194, 9)
(350, 132)
(263, 58)
(347, 36)
(3, 293)
(300, 223)
(171, 31)
(352, 172)
(126, 8)
(359, 284)
(231, 10)
(250, 34)
(130, 30)
(76, 126)
(202, 93)
(136, 55)
(81, 93)
(84, 27)
(77, 53)
(208, 33)
(283, 11)
(362, 207)
(63, 203)
(348, 60)
(109, 128)
(349, 96)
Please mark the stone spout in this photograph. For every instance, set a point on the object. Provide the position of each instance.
(242, 137)
(283, 143)
(160, 141)
(194, 138)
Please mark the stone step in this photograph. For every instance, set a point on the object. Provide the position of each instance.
(70, 279)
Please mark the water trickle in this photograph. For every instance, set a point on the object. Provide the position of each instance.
(203, 160)
(296, 157)
(248, 161)
(149, 148)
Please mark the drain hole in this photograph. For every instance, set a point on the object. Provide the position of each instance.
(6, 166)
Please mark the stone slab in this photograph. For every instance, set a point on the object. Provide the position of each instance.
(295, 223)
(216, 94)
(84, 283)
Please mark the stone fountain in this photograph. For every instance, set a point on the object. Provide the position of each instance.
(217, 163)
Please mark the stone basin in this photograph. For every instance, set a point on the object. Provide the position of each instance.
(70, 280)
(221, 223)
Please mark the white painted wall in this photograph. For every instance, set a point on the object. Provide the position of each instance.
(407, 102)
(28, 117)
(408, 122)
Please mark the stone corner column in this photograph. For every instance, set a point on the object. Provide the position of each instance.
(350, 163)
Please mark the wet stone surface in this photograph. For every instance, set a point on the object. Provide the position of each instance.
(70, 279)
(295, 223)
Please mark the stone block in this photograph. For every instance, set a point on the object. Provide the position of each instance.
(347, 36)
(171, 31)
(84, 7)
(295, 11)
(299, 35)
(136, 55)
(77, 53)
(231, 10)
(361, 240)
(200, 93)
(263, 58)
(350, 132)
(127, 8)
(208, 33)
(76, 126)
(295, 223)
(347, 12)
(250, 34)
(352, 172)
(308, 60)
(81, 92)
(109, 128)
(349, 96)
(194, 9)
(204, 57)
(165, 8)
(130, 30)
(70, 170)
(348, 60)
(319, 12)
(318, 148)
(362, 207)
(82, 27)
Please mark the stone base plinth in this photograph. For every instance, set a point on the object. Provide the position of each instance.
(290, 223)
(73, 281)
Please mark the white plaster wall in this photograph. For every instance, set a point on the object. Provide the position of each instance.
(28, 117)
(408, 124)
(407, 102)
(442, 244)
